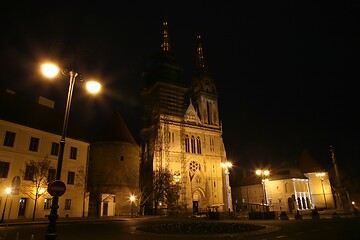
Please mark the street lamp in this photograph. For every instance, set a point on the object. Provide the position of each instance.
(321, 176)
(264, 178)
(7, 191)
(227, 165)
(132, 200)
(50, 71)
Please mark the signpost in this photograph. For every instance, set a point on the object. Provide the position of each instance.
(57, 188)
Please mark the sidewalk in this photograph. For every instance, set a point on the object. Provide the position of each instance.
(323, 214)
(66, 219)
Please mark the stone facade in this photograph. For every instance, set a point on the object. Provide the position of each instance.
(183, 133)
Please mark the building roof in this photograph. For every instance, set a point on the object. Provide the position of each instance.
(307, 163)
(27, 112)
(282, 171)
(286, 170)
(115, 130)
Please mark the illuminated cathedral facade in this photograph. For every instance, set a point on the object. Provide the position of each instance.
(182, 131)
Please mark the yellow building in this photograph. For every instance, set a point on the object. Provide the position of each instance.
(183, 132)
(29, 131)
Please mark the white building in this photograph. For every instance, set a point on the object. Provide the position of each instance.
(31, 130)
(285, 189)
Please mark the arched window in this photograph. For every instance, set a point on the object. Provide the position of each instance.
(187, 144)
(193, 144)
(198, 145)
(208, 112)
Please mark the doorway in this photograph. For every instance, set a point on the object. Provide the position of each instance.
(195, 207)
(22, 206)
(105, 208)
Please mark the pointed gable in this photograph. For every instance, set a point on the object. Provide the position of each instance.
(191, 114)
(307, 163)
(115, 130)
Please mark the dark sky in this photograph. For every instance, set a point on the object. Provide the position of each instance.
(286, 71)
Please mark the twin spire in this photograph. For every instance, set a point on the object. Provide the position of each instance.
(166, 49)
(200, 68)
(165, 45)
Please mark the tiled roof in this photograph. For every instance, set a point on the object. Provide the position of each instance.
(115, 130)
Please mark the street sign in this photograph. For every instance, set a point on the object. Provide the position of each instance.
(56, 188)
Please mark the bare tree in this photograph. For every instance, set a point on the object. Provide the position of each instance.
(35, 176)
(82, 177)
(163, 189)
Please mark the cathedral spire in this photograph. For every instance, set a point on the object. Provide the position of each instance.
(200, 67)
(165, 45)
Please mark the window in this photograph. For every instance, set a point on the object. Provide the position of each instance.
(187, 144)
(9, 139)
(67, 204)
(34, 144)
(29, 173)
(212, 148)
(47, 203)
(71, 177)
(51, 175)
(73, 153)
(4, 169)
(55, 149)
(198, 145)
(192, 144)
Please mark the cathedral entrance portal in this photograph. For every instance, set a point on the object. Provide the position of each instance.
(195, 207)
(195, 203)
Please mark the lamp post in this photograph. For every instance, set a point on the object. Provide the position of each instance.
(51, 70)
(227, 165)
(264, 177)
(132, 199)
(7, 191)
(321, 177)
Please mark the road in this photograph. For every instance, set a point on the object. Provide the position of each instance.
(329, 229)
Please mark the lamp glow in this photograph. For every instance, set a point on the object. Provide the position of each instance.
(93, 87)
(50, 70)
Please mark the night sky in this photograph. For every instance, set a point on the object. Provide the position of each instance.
(286, 71)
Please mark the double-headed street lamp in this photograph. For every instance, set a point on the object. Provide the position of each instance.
(321, 176)
(264, 174)
(51, 70)
(226, 166)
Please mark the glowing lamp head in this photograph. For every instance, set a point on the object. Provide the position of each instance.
(226, 164)
(93, 87)
(50, 70)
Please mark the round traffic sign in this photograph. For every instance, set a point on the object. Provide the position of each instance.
(56, 188)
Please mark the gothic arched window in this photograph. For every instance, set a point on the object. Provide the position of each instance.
(198, 145)
(193, 144)
(187, 144)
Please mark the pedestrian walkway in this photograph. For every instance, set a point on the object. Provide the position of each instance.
(323, 214)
